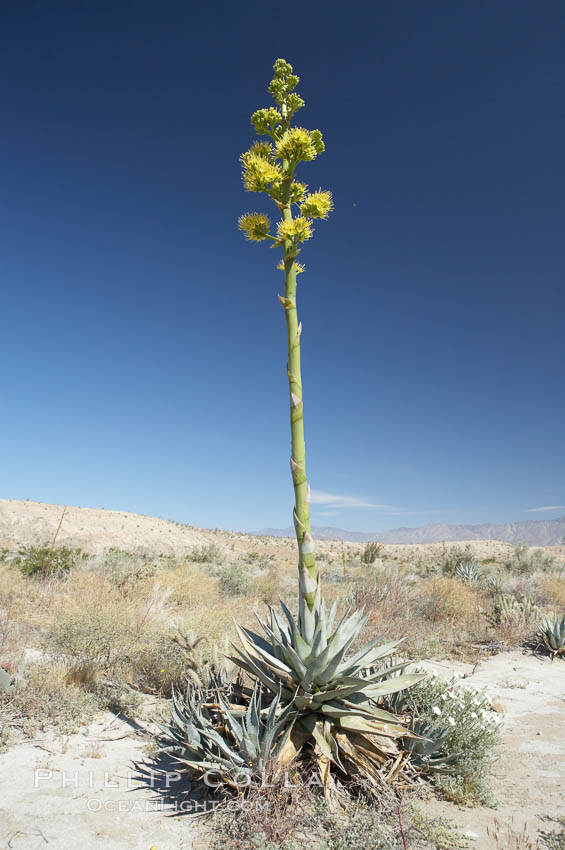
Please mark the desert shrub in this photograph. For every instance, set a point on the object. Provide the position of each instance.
(43, 561)
(101, 635)
(526, 560)
(454, 557)
(126, 569)
(553, 590)
(235, 579)
(447, 599)
(262, 562)
(371, 552)
(469, 733)
(164, 660)
(192, 586)
(208, 554)
(291, 818)
(46, 699)
(268, 587)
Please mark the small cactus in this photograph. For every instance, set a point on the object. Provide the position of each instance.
(509, 609)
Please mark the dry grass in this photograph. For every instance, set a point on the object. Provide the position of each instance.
(99, 624)
(553, 589)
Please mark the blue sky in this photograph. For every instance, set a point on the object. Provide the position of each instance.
(142, 341)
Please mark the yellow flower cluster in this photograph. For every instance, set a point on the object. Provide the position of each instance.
(297, 192)
(296, 145)
(264, 120)
(299, 230)
(317, 205)
(258, 173)
(256, 226)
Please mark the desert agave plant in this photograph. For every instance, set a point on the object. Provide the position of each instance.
(229, 742)
(427, 748)
(552, 633)
(325, 697)
(469, 572)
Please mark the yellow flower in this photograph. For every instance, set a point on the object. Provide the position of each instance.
(296, 145)
(259, 173)
(256, 226)
(317, 205)
(299, 230)
(264, 120)
(297, 192)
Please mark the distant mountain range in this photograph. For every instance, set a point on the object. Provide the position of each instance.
(542, 532)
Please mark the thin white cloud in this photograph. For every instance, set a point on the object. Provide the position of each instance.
(545, 508)
(326, 513)
(332, 500)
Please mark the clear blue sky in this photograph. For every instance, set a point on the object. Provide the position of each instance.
(143, 346)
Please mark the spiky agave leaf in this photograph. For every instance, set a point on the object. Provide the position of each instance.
(552, 632)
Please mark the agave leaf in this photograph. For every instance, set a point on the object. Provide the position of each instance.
(303, 702)
(248, 664)
(368, 655)
(293, 743)
(307, 623)
(331, 618)
(388, 671)
(279, 668)
(369, 726)
(257, 640)
(375, 746)
(321, 742)
(329, 671)
(391, 686)
(290, 618)
(234, 726)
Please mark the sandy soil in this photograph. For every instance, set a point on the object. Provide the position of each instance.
(529, 776)
(117, 812)
(84, 791)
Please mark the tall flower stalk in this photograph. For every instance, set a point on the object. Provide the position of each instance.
(314, 693)
(270, 167)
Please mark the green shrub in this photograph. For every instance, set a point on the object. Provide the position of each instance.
(235, 579)
(470, 731)
(46, 699)
(43, 561)
(455, 557)
(371, 552)
(126, 569)
(92, 634)
(210, 554)
(526, 560)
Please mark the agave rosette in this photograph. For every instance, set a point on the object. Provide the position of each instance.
(334, 696)
(232, 743)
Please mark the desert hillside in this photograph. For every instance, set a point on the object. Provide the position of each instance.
(96, 530)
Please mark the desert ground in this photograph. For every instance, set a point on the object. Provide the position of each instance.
(68, 784)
